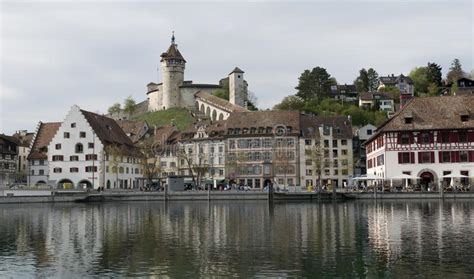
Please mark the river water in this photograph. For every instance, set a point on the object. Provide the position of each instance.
(361, 239)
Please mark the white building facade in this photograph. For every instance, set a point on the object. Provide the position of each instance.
(431, 138)
(91, 151)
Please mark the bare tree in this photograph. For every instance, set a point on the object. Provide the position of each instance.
(113, 153)
(151, 152)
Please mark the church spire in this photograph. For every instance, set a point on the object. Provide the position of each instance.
(172, 38)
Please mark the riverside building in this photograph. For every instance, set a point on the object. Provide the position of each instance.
(429, 139)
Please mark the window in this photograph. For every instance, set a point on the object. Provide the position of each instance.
(41, 172)
(445, 157)
(41, 162)
(307, 142)
(380, 160)
(309, 172)
(82, 134)
(462, 136)
(91, 168)
(343, 142)
(464, 118)
(405, 138)
(74, 158)
(91, 145)
(74, 170)
(406, 158)
(334, 153)
(369, 132)
(57, 170)
(334, 143)
(79, 148)
(463, 156)
(344, 152)
(443, 137)
(326, 143)
(163, 164)
(58, 146)
(425, 157)
(221, 149)
(326, 172)
(336, 172)
(425, 138)
(91, 157)
(58, 158)
(73, 125)
(66, 135)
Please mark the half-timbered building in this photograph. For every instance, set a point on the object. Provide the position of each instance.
(430, 138)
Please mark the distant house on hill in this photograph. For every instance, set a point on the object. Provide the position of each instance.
(346, 92)
(403, 83)
(384, 101)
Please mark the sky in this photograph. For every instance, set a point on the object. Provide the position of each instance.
(54, 54)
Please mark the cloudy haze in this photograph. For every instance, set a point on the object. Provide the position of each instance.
(56, 54)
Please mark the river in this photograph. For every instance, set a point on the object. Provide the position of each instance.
(364, 239)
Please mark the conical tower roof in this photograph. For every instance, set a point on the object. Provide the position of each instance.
(172, 53)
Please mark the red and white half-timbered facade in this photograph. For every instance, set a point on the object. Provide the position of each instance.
(430, 138)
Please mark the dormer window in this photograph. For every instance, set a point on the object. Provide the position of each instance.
(464, 116)
(408, 118)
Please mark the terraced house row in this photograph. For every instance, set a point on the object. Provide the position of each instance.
(285, 148)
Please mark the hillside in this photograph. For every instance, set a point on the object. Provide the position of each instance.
(180, 116)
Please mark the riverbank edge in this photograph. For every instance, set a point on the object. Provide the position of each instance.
(58, 197)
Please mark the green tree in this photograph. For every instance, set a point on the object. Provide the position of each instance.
(433, 89)
(115, 108)
(314, 84)
(129, 105)
(433, 74)
(394, 91)
(455, 71)
(419, 75)
(223, 92)
(373, 78)
(362, 81)
(291, 102)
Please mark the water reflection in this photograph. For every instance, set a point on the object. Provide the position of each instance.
(245, 239)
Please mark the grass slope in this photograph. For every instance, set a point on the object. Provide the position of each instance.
(181, 117)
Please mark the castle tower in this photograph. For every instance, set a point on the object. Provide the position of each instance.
(237, 87)
(172, 69)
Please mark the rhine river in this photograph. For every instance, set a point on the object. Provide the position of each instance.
(360, 239)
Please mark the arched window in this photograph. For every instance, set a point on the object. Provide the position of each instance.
(221, 116)
(79, 148)
(208, 111)
(214, 115)
(202, 107)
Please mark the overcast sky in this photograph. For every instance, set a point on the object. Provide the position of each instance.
(93, 54)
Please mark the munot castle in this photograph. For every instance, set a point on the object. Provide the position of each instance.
(174, 91)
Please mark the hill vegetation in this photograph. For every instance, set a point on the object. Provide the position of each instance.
(178, 116)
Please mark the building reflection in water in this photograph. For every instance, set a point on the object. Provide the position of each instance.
(245, 239)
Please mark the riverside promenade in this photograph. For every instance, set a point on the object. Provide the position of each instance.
(8, 196)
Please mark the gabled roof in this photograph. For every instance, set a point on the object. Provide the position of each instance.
(219, 103)
(433, 113)
(108, 131)
(213, 130)
(392, 80)
(43, 137)
(369, 96)
(172, 53)
(8, 144)
(265, 119)
(236, 70)
(132, 128)
(24, 139)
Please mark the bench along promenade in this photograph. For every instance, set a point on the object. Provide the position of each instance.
(55, 196)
